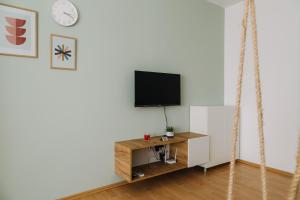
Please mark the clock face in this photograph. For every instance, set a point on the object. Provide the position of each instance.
(64, 13)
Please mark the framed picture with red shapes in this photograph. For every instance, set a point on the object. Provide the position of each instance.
(18, 31)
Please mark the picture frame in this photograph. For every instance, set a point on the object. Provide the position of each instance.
(63, 52)
(18, 31)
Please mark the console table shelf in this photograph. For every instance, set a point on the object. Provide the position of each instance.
(182, 142)
(136, 144)
(156, 169)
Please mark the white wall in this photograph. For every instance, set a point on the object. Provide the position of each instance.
(279, 41)
(58, 128)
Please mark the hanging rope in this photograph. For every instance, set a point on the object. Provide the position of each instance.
(236, 121)
(296, 179)
(238, 100)
(259, 102)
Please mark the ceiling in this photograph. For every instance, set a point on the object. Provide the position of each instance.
(224, 3)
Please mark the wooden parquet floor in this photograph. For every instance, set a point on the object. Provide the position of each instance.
(191, 184)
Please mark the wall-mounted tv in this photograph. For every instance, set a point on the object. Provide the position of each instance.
(156, 89)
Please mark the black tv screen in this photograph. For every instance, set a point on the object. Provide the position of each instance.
(156, 89)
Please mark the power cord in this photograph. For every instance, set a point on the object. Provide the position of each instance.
(165, 116)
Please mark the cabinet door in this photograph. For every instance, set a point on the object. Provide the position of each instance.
(198, 151)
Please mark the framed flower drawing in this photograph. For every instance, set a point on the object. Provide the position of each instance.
(63, 52)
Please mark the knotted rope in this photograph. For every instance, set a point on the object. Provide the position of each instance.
(296, 179)
(249, 4)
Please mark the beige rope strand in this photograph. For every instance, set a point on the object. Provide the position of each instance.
(296, 179)
(238, 100)
(259, 101)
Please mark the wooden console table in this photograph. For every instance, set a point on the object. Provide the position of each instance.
(185, 144)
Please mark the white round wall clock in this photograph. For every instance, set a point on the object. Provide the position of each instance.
(64, 13)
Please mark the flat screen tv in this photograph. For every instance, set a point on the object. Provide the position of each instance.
(156, 89)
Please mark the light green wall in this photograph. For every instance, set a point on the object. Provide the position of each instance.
(57, 128)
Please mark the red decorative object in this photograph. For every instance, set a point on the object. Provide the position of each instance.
(147, 137)
(15, 31)
(15, 22)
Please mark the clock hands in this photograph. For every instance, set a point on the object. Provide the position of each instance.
(68, 14)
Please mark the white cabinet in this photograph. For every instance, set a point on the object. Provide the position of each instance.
(198, 151)
(216, 122)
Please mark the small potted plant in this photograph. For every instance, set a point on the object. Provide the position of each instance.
(170, 131)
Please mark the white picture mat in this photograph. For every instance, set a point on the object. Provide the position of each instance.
(31, 30)
(68, 42)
